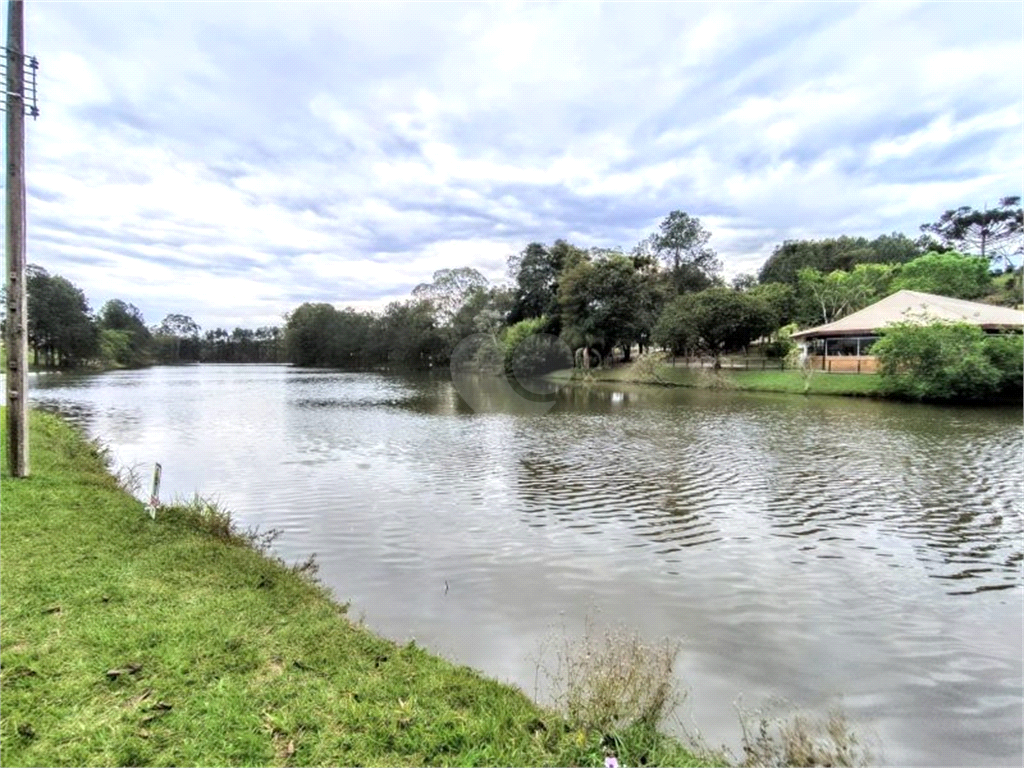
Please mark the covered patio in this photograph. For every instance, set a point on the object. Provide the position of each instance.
(844, 346)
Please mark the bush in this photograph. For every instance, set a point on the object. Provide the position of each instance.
(948, 361)
(529, 351)
(783, 344)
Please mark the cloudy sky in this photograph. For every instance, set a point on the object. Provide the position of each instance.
(232, 160)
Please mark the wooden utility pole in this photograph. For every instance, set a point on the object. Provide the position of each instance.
(17, 301)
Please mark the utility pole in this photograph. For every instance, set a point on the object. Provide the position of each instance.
(17, 301)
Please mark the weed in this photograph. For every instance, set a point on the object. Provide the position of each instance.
(711, 378)
(210, 517)
(802, 740)
(611, 680)
(129, 479)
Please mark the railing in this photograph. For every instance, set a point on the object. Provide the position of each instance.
(735, 363)
(844, 363)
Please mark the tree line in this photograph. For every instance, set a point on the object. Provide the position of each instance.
(666, 291)
(63, 332)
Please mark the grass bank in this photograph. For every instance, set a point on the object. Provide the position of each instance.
(792, 382)
(127, 641)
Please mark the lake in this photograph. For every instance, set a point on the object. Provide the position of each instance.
(828, 551)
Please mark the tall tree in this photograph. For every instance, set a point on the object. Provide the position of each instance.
(993, 233)
(536, 271)
(682, 243)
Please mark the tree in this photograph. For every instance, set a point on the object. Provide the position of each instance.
(598, 303)
(483, 312)
(215, 346)
(118, 315)
(946, 274)
(728, 320)
(715, 320)
(896, 248)
(308, 332)
(825, 298)
(529, 351)
(244, 345)
(536, 272)
(349, 335)
(654, 290)
(682, 243)
(450, 289)
(781, 299)
(268, 344)
(59, 325)
(407, 335)
(995, 234)
(831, 254)
(177, 334)
(948, 361)
(744, 282)
(676, 329)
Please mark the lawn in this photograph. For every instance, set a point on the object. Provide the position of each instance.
(793, 382)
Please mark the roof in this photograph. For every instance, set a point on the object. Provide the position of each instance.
(915, 306)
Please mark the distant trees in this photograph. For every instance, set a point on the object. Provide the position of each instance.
(824, 297)
(242, 345)
(64, 333)
(831, 254)
(405, 334)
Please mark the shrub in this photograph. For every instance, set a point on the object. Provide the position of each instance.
(782, 345)
(948, 361)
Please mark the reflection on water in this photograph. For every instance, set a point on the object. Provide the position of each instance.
(804, 547)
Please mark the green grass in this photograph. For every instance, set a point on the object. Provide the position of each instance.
(794, 382)
(222, 655)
